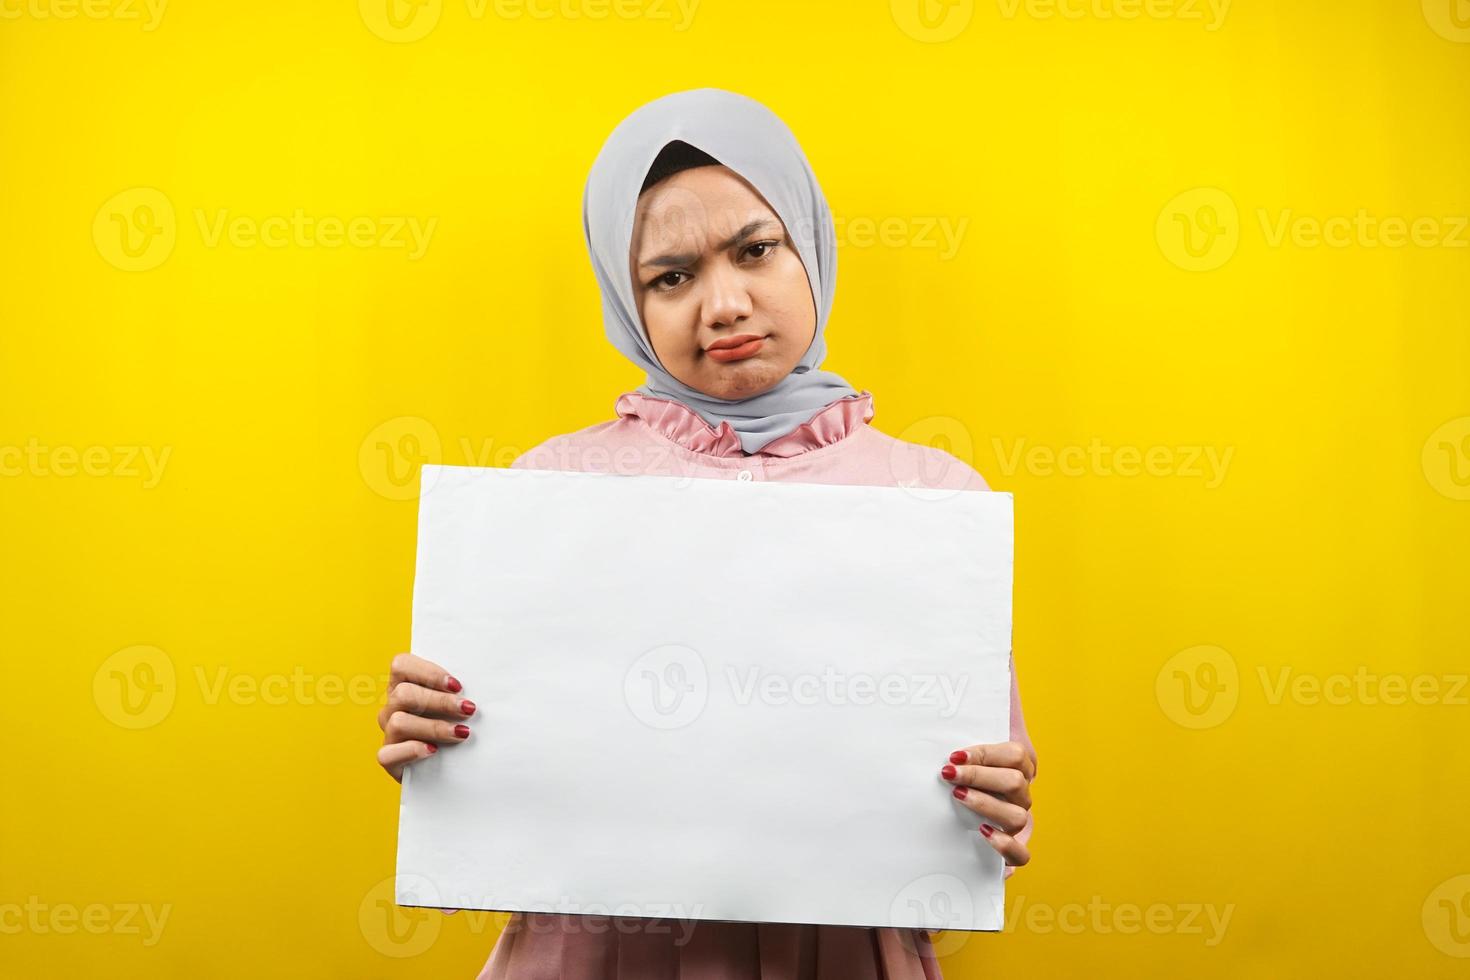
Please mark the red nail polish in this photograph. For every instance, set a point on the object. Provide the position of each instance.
(961, 792)
(958, 757)
(461, 731)
(467, 707)
(452, 684)
(948, 772)
(986, 829)
(432, 747)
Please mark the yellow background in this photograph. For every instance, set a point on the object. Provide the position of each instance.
(274, 551)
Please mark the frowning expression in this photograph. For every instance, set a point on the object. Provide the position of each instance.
(720, 287)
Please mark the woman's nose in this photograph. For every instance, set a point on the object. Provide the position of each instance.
(727, 296)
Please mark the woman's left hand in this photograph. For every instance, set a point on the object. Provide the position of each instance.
(995, 782)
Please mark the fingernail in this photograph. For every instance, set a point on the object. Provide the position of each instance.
(958, 756)
(986, 829)
(452, 684)
(461, 731)
(948, 772)
(432, 747)
(961, 792)
(467, 707)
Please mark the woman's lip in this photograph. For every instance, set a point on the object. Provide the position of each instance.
(726, 354)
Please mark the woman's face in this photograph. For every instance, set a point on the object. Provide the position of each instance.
(713, 265)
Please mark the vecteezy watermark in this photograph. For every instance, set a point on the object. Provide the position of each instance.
(148, 13)
(138, 686)
(669, 687)
(1209, 13)
(932, 21)
(300, 686)
(1200, 229)
(1207, 463)
(1450, 19)
(942, 233)
(407, 930)
(1200, 687)
(1446, 916)
(136, 230)
(40, 918)
(35, 459)
(1098, 917)
(830, 686)
(1446, 458)
(392, 457)
(946, 899)
(1363, 229)
(135, 687)
(930, 458)
(401, 931)
(596, 918)
(1362, 686)
(405, 21)
(936, 21)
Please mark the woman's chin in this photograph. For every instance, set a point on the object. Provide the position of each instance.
(742, 379)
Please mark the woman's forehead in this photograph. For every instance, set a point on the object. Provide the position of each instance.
(692, 205)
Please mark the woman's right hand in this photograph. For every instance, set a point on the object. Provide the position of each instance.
(424, 708)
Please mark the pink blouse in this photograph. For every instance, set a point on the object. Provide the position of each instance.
(660, 437)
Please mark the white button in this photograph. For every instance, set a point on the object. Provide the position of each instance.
(745, 475)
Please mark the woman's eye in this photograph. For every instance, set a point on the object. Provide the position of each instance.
(662, 282)
(768, 246)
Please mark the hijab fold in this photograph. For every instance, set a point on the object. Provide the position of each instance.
(752, 141)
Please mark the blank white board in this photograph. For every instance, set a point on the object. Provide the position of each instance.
(708, 699)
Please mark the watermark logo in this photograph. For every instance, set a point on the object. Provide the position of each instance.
(1450, 19)
(1446, 916)
(67, 918)
(1210, 13)
(1201, 686)
(1361, 687)
(1205, 920)
(932, 21)
(1199, 230)
(148, 13)
(392, 456)
(1098, 459)
(942, 233)
(936, 898)
(1362, 230)
(404, 21)
(924, 474)
(1446, 458)
(135, 687)
(400, 21)
(135, 230)
(395, 930)
(944, 692)
(1198, 687)
(35, 459)
(667, 687)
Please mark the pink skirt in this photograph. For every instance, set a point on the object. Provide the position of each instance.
(548, 946)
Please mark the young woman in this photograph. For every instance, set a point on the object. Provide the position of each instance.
(715, 253)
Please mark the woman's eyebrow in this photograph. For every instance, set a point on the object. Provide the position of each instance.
(687, 258)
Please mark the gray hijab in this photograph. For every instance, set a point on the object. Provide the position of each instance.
(752, 141)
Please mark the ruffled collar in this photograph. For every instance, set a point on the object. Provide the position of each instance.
(681, 424)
